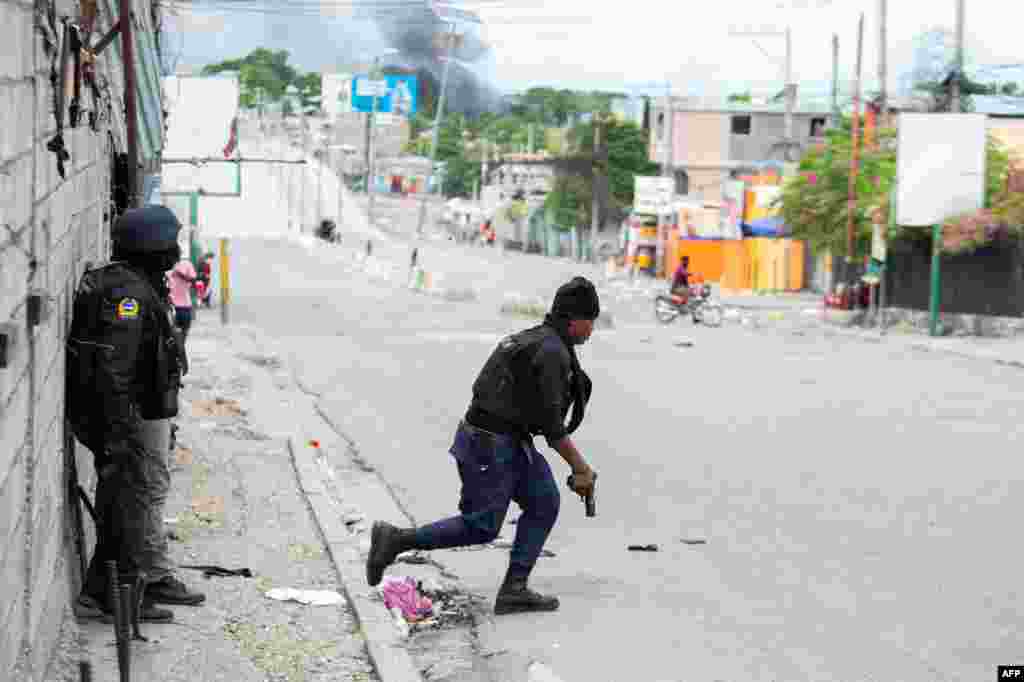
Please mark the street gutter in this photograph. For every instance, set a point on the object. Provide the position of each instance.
(384, 645)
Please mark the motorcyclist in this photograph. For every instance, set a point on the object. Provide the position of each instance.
(681, 280)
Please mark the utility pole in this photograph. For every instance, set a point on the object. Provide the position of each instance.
(790, 90)
(595, 205)
(371, 161)
(341, 186)
(854, 156)
(955, 104)
(883, 60)
(437, 125)
(130, 111)
(667, 169)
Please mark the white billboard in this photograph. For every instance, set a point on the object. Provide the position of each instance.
(940, 167)
(652, 194)
(336, 93)
(200, 113)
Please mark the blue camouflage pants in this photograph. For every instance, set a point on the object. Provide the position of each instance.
(495, 470)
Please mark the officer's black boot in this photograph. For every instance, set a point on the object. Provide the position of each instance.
(386, 543)
(515, 597)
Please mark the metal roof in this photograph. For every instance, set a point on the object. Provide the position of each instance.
(149, 112)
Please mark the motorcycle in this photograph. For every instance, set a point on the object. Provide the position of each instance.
(667, 307)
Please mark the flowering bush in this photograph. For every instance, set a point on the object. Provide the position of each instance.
(1004, 220)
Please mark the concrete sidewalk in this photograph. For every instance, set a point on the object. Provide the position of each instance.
(235, 503)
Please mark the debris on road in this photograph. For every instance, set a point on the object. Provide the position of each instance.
(694, 541)
(218, 407)
(683, 343)
(403, 594)
(210, 571)
(643, 548)
(310, 597)
(413, 559)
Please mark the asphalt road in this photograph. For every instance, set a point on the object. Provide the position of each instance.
(858, 502)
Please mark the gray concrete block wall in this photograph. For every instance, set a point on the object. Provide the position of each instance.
(49, 228)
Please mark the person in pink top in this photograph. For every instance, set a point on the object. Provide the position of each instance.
(181, 279)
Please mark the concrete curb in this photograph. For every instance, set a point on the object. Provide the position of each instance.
(384, 644)
(927, 346)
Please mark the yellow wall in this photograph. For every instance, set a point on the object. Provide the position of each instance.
(1010, 132)
(763, 264)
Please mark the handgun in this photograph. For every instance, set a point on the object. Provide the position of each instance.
(589, 499)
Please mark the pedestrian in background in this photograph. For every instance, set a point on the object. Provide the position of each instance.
(526, 388)
(181, 280)
(203, 288)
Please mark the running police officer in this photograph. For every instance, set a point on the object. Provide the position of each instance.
(525, 389)
(125, 362)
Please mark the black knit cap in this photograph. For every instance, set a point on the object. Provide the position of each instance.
(576, 300)
(146, 230)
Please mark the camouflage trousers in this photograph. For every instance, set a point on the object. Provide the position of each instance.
(130, 509)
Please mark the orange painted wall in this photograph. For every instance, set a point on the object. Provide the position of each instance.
(741, 265)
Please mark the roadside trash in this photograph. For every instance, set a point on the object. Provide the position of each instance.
(311, 597)
(209, 571)
(353, 517)
(314, 444)
(402, 594)
(694, 541)
(399, 620)
(643, 548)
(684, 344)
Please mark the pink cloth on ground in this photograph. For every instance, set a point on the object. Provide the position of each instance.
(402, 593)
(181, 279)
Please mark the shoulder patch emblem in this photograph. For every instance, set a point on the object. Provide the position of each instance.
(128, 309)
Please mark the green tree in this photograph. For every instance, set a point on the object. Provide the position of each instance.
(1010, 89)
(310, 91)
(741, 98)
(569, 202)
(627, 155)
(261, 71)
(460, 172)
(941, 95)
(815, 206)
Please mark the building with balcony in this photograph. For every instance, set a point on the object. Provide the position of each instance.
(712, 140)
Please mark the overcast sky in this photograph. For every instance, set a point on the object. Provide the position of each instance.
(583, 43)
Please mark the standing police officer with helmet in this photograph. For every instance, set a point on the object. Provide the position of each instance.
(525, 389)
(125, 360)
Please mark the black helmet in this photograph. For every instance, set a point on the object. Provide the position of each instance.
(151, 229)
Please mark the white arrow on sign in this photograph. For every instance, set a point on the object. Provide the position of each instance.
(372, 88)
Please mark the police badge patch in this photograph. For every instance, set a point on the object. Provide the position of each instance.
(128, 309)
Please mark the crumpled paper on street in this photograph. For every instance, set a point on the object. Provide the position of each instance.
(401, 593)
(311, 597)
